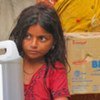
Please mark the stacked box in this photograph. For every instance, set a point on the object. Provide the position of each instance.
(84, 59)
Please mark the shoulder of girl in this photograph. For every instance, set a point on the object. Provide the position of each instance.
(59, 65)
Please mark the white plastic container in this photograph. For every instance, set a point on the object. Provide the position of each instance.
(11, 72)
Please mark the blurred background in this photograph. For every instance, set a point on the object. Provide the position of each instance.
(76, 16)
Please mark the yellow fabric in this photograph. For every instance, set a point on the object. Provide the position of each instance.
(79, 15)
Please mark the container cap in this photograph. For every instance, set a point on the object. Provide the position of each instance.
(11, 51)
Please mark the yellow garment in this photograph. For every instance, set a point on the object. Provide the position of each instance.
(79, 15)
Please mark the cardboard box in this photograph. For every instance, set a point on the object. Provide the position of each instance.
(84, 59)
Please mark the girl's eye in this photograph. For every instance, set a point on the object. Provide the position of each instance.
(28, 36)
(42, 38)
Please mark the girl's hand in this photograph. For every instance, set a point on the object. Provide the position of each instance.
(49, 2)
(61, 98)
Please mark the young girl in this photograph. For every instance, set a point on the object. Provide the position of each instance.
(40, 41)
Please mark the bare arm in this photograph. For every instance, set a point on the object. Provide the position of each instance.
(61, 98)
(50, 2)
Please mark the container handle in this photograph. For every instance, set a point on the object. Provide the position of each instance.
(11, 51)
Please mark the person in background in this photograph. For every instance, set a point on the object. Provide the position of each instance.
(49, 2)
(77, 15)
(39, 37)
(9, 10)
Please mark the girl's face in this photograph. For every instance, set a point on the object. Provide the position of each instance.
(37, 42)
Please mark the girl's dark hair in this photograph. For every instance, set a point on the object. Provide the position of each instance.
(48, 19)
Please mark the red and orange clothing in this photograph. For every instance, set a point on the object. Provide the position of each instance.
(54, 85)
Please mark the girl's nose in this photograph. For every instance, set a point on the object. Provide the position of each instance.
(34, 43)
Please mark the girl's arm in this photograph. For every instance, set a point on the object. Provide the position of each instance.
(58, 83)
(61, 98)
